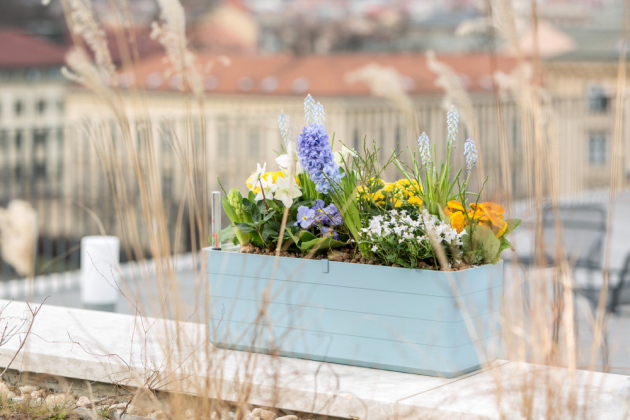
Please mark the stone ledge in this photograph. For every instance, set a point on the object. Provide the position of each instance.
(108, 347)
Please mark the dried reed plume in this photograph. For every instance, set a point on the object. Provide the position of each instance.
(84, 26)
(171, 33)
(386, 82)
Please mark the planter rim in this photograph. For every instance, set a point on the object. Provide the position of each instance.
(209, 249)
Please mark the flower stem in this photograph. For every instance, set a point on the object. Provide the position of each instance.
(262, 190)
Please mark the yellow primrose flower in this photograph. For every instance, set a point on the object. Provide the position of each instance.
(415, 200)
(388, 187)
(455, 212)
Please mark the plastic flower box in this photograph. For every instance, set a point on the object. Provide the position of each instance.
(415, 321)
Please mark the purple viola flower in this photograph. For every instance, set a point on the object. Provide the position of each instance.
(334, 216)
(320, 212)
(305, 217)
(317, 159)
(329, 232)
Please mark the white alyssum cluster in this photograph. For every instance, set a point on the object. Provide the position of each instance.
(441, 230)
(405, 228)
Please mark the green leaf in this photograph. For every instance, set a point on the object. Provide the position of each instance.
(247, 205)
(293, 237)
(257, 240)
(444, 218)
(505, 244)
(251, 197)
(246, 227)
(321, 245)
(268, 217)
(400, 261)
(229, 210)
(274, 206)
(306, 236)
(256, 215)
(467, 239)
(227, 234)
(512, 225)
(269, 233)
(484, 237)
(274, 225)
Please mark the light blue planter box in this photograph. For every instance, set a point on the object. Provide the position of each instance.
(415, 321)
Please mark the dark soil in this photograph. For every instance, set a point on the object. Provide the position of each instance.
(342, 255)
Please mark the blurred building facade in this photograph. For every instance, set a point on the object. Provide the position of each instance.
(365, 96)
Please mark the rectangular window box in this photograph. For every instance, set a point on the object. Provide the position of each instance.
(414, 321)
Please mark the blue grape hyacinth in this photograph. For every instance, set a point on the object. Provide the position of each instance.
(317, 159)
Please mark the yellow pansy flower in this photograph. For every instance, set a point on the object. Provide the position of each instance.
(491, 215)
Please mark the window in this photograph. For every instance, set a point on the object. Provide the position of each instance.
(223, 134)
(254, 142)
(40, 170)
(39, 138)
(41, 106)
(167, 185)
(18, 107)
(166, 136)
(597, 99)
(597, 148)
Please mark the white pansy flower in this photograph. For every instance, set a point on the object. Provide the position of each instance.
(268, 188)
(286, 191)
(343, 154)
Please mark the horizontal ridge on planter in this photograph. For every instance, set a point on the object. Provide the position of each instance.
(416, 321)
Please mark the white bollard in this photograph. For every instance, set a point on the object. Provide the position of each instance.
(100, 256)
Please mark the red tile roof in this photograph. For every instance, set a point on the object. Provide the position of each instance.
(19, 49)
(282, 74)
